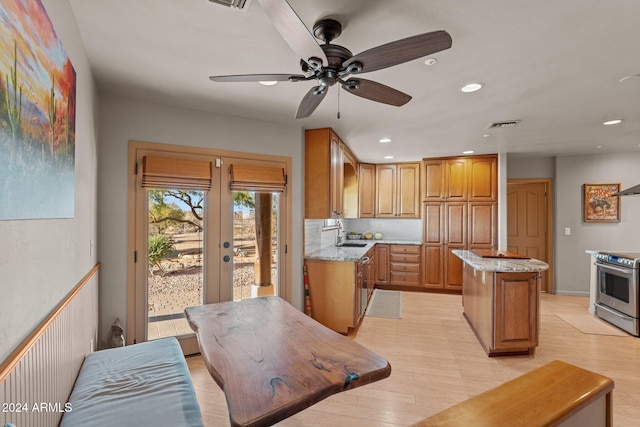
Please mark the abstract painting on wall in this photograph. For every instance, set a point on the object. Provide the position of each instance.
(37, 116)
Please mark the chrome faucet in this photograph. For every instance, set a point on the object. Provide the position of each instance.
(340, 235)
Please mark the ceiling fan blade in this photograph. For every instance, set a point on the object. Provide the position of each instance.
(401, 51)
(376, 92)
(259, 78)
(311, 100)
(293, 30)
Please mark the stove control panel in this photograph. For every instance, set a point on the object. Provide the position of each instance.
(617, 259)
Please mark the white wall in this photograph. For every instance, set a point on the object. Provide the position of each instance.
(42, 260)
(122, 120)
(531, 167)
(571, 261)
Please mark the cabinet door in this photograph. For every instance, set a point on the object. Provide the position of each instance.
(408, 190)
(483, 180)
(433, 223)
(317, 174)
(382, 264)
(456, 223)
(482, 220)
(366, 190)
(385, 191)
(516, 310)
(433, 266)
(433, 180)
(337, 176)
(456, 180)
(453, 268)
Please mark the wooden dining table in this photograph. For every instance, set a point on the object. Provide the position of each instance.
(272, 361)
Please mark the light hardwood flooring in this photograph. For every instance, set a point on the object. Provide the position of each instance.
(437, 362)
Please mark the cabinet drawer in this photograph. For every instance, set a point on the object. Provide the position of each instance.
(405, 249)
(414, 258)
(404, 266)
(404, 278)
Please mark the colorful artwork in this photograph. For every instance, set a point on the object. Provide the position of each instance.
(37, 116)
(599, 203)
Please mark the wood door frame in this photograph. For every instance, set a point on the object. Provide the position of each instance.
(133, 330)
(549, 217)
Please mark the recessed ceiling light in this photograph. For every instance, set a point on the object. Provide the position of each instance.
(612, 122)
(268, 83)
(388, 157)
(486, 135)
(430, 61)
(471, 87)
(599, 146)
(468, 152)
(385, 140)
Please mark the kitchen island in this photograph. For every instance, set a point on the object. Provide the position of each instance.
(500, 296)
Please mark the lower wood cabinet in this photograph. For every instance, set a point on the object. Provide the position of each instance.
(338, 293)
(502, 309)
(404, 265)
(381, 270)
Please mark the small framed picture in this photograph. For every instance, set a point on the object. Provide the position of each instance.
(600, 205)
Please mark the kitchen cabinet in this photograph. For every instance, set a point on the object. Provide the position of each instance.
(381, 264)
(445, 179)
(502, 309)
(483, 179)
(331, 182)
(366, 190)
(404, 265)
(397, 190)
(336, 293)
(459, 212)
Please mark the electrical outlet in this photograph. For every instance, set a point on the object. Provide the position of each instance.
(567, 231)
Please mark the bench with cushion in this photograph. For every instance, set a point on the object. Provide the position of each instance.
(146, 384)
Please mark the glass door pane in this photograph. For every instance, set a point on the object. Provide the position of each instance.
(175, 255)
(255, 244)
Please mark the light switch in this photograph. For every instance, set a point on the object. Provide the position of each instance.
(567, 231)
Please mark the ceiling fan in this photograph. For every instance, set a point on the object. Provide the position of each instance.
(330, 64)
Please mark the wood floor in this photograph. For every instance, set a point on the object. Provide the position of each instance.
(437, 362)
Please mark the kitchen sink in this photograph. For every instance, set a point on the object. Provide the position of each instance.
(353, 245)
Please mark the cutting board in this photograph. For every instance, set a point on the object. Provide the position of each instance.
(492, 253)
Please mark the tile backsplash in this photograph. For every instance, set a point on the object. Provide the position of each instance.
(316, 238)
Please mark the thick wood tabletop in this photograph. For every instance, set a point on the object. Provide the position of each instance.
(273, 361)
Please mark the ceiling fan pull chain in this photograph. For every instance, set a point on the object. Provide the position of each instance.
(338, 115)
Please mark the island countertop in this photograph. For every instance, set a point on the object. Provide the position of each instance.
(500, 265)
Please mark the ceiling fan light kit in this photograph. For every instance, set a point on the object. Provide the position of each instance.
(329, 64)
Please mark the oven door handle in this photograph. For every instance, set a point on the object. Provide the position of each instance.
(626, 271)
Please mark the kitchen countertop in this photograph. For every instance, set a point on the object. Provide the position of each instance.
(342, 253)
(501, 265)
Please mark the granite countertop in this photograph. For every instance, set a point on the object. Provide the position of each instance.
(501, 265)
(346, 253)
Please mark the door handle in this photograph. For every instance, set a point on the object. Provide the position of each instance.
(226, 258)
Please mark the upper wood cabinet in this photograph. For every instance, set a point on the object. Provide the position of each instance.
(397, 190)
(366, 190)
(445, 179)
(331, 182)
(483, 179)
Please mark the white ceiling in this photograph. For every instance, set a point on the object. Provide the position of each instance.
(554, 64)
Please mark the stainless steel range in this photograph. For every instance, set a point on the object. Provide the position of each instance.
(618, 289)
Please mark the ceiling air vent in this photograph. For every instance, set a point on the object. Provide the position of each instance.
(236, 4)
(507, 124)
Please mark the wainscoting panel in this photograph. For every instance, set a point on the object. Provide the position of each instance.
(38, 377)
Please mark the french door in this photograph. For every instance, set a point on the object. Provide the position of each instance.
(199, 239)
